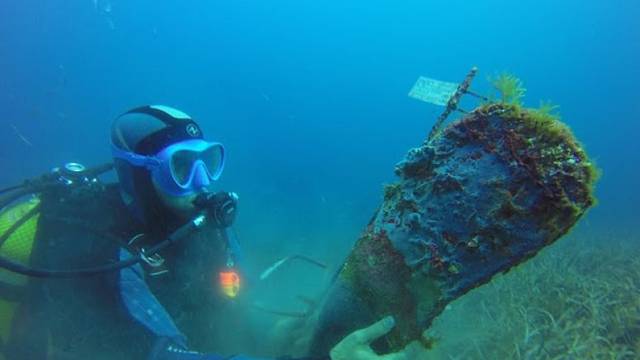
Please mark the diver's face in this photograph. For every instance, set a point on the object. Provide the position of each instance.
(182, 206)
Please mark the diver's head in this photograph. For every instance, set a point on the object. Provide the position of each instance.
(163, 161)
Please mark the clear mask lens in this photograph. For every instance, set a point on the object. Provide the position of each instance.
(182, 162)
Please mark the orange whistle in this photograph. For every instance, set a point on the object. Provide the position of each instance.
(230, 283)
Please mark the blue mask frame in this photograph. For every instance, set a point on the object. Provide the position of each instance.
(159, 166)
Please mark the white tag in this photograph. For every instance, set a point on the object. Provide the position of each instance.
(433, 91)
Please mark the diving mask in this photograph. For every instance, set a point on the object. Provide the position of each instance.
(182, 168)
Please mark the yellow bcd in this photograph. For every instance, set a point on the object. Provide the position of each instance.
(17, 246)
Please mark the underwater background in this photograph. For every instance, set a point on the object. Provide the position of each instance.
(310, 100)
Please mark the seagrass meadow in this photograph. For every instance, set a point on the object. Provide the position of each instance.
(578, 299)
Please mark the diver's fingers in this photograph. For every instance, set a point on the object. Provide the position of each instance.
(368, 334)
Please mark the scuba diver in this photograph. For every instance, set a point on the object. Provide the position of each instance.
(126, 270)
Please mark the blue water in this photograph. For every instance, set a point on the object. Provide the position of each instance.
(310, 97)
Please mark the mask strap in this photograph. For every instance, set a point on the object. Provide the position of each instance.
(134, 159)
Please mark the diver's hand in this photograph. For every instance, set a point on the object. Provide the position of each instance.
(356, 345)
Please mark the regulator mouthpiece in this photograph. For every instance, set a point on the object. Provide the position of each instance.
(221, 206)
